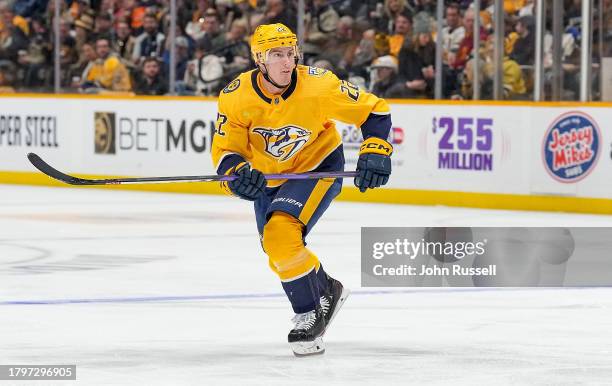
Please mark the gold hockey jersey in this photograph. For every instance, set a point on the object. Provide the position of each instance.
(292, 132)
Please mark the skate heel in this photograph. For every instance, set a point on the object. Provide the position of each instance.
(304, 348)
(343, 296)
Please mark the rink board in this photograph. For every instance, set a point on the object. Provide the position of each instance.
(547, 156)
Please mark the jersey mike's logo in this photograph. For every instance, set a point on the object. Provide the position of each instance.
(571, 147)
(285, 142)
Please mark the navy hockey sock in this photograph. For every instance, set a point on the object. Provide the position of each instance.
(322, 279)
(303, 293)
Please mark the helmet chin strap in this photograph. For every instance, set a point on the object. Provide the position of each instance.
(269, 79)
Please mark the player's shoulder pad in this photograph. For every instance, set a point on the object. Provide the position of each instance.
(231, 93)
(318, 80)
(232, 86)
(316, 71)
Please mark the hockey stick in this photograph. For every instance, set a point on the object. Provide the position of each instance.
(68, 179)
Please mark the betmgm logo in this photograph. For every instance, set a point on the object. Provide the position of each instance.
(117, 134)
(104, 135)
(285, 142)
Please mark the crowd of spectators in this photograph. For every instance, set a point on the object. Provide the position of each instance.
(386, 46)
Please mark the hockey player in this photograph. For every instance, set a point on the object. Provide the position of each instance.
(278, 119)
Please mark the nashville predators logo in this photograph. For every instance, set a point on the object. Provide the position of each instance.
(232, 86)
(285, 142)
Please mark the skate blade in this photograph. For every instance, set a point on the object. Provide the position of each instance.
(345, 294)
(302, 349)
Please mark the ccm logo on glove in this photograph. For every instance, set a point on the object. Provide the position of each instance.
(376, 147)
(374, 164)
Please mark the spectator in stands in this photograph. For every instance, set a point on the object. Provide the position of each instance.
(236, 50)
(211, 29)
(467, 44)
(83, 28)
(124, 42)
(68, 57)
(150, 42)
(412, 70)
(106, 73)
(402, 34)
(78, 71)
(205, 72)
(280, 11)
(467, 82)
(151, 81)
(365, 53)
(182, 58)
(402, 28)
(452, 35)
(510, 35)
(35, 60)
(12, 38)
(104, 25)
(340, 48)
(424, 45)
(513, 81)
(321, 23)
(245, 12)
(425, 49)
(385, 22)
(387, 83)
(524, 48)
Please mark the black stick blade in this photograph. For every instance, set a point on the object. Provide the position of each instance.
(54, 173)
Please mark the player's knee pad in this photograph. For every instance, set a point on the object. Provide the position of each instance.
(282, 241)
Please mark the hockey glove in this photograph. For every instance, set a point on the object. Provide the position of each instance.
(374, 164)
(250, 183)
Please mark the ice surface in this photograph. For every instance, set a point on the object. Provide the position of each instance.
(169, 289)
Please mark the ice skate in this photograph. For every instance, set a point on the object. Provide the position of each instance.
(332, 300)
(306, 337)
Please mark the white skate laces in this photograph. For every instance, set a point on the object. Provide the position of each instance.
(325, 304)
(304, 321)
